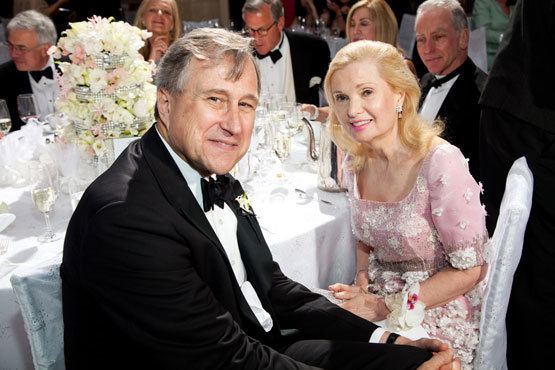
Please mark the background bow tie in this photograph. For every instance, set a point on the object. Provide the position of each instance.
(37, 75)
(216, 191)
(437, 82)
(275, 55)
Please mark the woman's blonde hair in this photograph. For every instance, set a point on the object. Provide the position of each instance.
(175, 33)
(414, 133)
(382, 16)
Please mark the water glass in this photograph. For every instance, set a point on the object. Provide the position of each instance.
(27, 107)
(5, 120)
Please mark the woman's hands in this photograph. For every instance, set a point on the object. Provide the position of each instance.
(158, 48)
(368, 306)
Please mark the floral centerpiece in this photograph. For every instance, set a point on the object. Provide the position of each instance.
(105, 87)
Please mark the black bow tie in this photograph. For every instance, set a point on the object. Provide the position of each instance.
(47, 72)
(437, 82)
(216, 191)
(275, 55)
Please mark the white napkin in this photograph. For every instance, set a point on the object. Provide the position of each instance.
(17, 155)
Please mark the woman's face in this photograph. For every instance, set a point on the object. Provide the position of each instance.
(365, 103)
(362, 27)
(158, 17)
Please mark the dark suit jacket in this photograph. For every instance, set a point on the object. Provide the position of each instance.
(147, 284)
(310, 57)
(521, 80)
(460, 111)
(13, 83)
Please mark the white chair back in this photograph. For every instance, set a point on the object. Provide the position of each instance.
(477, 48)
(38, 291)
(506, 249)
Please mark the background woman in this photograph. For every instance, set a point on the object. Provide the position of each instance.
(494, 16)
(161, 17)
(367, 20)
(416, 209)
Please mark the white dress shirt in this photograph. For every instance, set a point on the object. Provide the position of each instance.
(224, 224)
(45, 91)
(434, 99)
(277, 78)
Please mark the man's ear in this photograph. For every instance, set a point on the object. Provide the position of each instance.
(163, 105)
(44, 50)
(281, 23)
(464, 39)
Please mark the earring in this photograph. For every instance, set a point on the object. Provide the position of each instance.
(399, 111)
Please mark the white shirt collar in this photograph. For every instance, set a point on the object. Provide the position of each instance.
(189, 173)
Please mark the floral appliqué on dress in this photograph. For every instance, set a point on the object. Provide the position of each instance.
(439, 224)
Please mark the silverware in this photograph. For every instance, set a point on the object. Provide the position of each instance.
(303, 194)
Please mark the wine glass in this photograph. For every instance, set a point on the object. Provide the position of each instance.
(44, 197)
(5, 120)
(26, 107)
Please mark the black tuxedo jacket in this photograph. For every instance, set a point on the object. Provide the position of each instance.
(310, 57)
(460, 111)
(147, 284)
(13, 84)
(521, 80)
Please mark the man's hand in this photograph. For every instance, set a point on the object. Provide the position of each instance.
(443, 357)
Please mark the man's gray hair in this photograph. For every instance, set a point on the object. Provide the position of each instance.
(253, 6)
(35, 21)
(457, 12)
(206, 44)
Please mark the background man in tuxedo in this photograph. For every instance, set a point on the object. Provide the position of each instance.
(291, 63)
(452, 86)
(518, 119)
(31, 70)
(165, 265)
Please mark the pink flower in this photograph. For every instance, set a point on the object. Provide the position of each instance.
(79, 55)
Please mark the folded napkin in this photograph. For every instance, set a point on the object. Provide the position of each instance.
(18, 155)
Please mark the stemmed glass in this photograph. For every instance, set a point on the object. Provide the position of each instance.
(26, 107)
(282, 140)
(5, 120)
(44, 197)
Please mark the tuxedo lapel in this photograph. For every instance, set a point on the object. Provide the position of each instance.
(255, 253)
(174, 186)
(177, 192)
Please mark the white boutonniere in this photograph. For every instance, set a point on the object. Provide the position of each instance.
(316, 80)
(244, 203)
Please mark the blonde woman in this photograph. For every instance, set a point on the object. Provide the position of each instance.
(416, 209)
(161, 17)
(367, 20)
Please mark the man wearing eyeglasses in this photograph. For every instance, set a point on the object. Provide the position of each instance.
(31, 70)
(291, 63)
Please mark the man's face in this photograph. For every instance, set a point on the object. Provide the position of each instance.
(441, 47)
(210, 124)
(25, 50)
(261, 22)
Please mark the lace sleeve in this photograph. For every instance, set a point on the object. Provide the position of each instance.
(457, 213)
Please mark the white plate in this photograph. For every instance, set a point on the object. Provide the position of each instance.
(5, 220)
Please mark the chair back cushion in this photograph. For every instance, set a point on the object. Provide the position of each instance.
(505, 252)
(38, 291)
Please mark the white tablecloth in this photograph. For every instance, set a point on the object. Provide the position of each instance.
(311, 240)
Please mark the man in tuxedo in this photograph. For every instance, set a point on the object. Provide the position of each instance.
(518, 119)
(165, 265)
(31, 70)
(452, 86)
(291, 63)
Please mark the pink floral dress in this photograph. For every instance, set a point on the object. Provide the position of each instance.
(440, 223)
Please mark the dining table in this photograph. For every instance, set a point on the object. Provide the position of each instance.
(307, 229)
